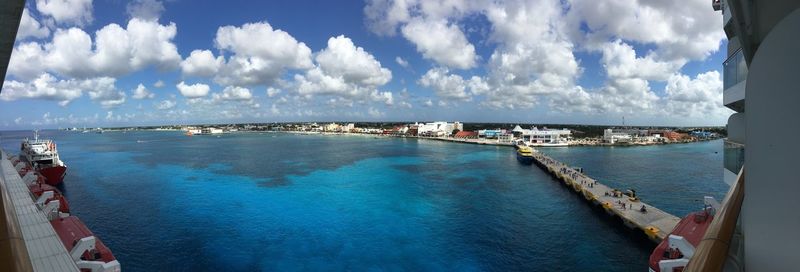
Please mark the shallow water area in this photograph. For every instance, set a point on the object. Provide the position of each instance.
(276, 201)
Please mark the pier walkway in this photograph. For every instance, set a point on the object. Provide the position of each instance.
(655, 223)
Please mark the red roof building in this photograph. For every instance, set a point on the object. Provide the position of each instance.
(466, 134)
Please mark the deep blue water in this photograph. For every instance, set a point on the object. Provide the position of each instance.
(244, 202)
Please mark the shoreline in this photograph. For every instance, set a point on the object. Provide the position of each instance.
(490, 142)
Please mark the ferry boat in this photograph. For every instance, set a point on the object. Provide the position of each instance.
(674, 252)
(525, 155)
(42, 155)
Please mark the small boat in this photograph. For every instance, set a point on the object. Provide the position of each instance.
(37, 189)
(525, 155)
(94, 255)
(674, 252)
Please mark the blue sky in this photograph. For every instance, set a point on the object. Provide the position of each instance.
(80, 62)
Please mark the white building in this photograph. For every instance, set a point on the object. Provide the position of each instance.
(543, 137)
(331, 127)
(611, 137)
(438, 129)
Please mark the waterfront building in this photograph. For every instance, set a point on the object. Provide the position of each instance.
(542, 137)
(438, 129)
(466, 135)
(332, 127)
(702, 134)
(612, 137)
(491, 133)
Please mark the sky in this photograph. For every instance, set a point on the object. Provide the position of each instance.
(84, 63)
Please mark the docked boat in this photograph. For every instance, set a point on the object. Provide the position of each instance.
(525, 155)
(674, 252)
(77, 238)
(42, 155)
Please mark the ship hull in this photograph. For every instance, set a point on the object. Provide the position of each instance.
(524, 159)
(53, 175)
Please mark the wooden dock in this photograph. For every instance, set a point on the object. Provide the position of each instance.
(655, 223)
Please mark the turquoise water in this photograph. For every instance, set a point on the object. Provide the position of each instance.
(244, 202)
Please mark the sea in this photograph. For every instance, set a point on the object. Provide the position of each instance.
(163, 201)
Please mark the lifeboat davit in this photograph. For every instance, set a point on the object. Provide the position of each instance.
(37, 189)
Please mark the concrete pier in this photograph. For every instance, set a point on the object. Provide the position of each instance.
(655, 223)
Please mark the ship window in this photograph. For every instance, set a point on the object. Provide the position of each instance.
(44, 161)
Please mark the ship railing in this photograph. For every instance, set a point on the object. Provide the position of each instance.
(712, 252)
(13, 252)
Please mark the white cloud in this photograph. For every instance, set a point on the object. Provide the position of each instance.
(271, 92)
(26, 62)
(115, 51)
(159, 84)
(101, 90)
(148, 43)
(165, 105)
(383, 16)
(699, 97)
(30, 27)
(236, 93)
(620, 61)
(104, 91)
(347, 71)
(145, 9)
(141, 92)
(342, 59)
(202, 63)
(45, 87)
(375, 113)
(441, 42)
(69, 53)
(67, 12)
(384, 97)
(681, 29)
(451, 86)
(401, 61)
(193, 91)
(261, 54)
(535, 43)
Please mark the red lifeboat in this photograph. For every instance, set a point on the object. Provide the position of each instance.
(687, 235)
(73, 234)
(37, 189)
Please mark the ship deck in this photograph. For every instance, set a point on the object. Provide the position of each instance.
(655, 223)
(44, 248)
